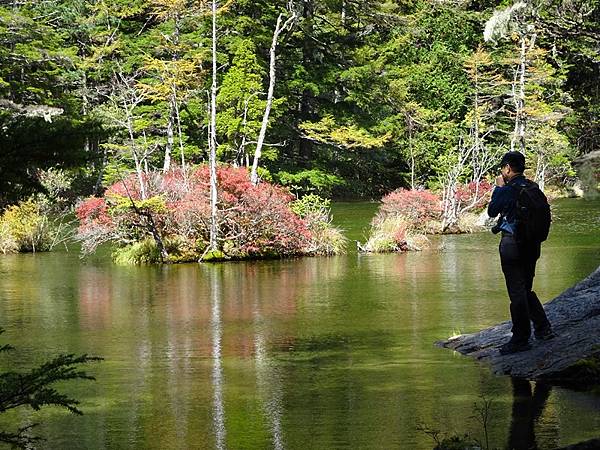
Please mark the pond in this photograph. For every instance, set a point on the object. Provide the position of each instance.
(319, 353)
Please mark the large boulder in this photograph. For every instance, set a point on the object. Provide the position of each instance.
(575, 317)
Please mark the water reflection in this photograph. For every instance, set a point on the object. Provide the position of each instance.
(322, 352)
(217, 371)
(269, 386)
(527, 410)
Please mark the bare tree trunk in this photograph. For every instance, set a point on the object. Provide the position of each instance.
(540, 171)
(482, 157)
(476, 133)
(450, 204)
(479, 169)
(518, 137)
(242, 156)
(139, 170)
(170, 137)
(213, 135)
(263, 129)
(179, 133)
(128, 101)
(175, 118)
(412, 125)
(412, 163)
(411, 152)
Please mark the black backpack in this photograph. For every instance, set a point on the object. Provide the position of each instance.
(532, 214)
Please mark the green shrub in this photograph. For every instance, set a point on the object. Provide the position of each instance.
(146, 252)
(316, 212)
(311, 205)
(143, 252)
(25, 228)
(214, 256)
(121, 204)
(57, 184)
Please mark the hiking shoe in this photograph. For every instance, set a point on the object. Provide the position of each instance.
(514, 347)
(544, 335)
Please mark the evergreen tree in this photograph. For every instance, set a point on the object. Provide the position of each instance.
(35, 389)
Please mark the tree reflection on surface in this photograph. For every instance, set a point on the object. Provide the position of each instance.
(217, 373)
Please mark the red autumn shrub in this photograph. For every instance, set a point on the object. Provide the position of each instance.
(130, 186)
(261, 223)
(415, 205)
(252, 220)
(93, 211)
(476, 194)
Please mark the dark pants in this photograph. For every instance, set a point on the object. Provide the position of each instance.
(518, 265)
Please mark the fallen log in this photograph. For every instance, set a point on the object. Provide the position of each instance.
(575, 317)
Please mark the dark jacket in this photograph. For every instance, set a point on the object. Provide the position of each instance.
(504, 202)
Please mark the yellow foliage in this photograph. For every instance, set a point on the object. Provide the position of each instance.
(173, 77)
(24, 228)
(167, 9)
(120, 204)
(350, 137)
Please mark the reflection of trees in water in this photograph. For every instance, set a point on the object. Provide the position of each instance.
(35, 287)
(183, 323)
(268, 379)
(258, 297)
(248, 300)
(95, 298)
(180, 299)
(217, 369)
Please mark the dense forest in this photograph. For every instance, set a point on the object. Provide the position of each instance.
(343, 98)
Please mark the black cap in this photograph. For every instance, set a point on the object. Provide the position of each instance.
(515, 160)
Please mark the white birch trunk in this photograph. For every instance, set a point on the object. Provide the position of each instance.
(518, 137)
(138, 164)
(170, 138)
(412, 157)
(213, 135)
(540, 171)
(179, 132)
(175, 104)
(263, 129)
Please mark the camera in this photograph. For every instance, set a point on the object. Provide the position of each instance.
(496, 228)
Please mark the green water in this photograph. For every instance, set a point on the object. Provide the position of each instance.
(320, 353)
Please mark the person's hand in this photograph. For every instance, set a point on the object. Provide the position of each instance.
(500, 180)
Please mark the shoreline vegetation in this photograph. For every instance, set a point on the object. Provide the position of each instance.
(168, 220)
(406, 217)
(310, 98)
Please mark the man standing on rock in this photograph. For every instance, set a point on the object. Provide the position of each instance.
(520, 248)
